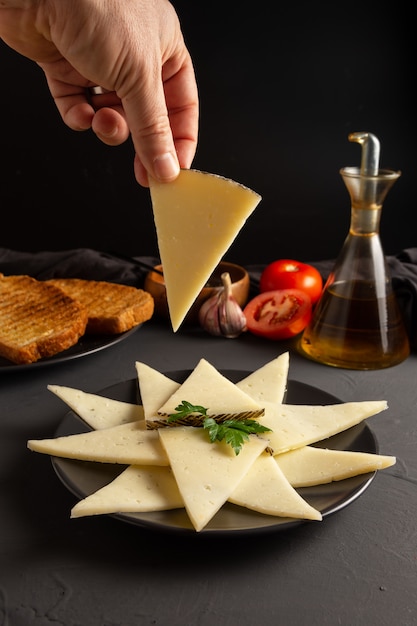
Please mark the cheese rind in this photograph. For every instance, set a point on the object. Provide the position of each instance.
(206, 473)
(294, 426)
(97, 411)
(127, 444)
(207, 387)
(136, 490)
(197, 217)
(266, 489)
(309, 466)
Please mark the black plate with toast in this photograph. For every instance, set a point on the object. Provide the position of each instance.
(88, 344)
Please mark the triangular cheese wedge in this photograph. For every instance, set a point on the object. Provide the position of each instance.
(128, 444)
(197, 217)
(267, 490)
(269, 382)
(136, 490)
(155, 389)
(294, 426)
(309, 466)
(97, 411)
(207, 387)
(206, 473)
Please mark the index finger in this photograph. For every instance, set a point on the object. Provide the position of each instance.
(162, 113)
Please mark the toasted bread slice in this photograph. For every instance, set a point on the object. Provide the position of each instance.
(112, 308)
(37, 320)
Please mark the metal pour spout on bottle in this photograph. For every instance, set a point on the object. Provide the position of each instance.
(357, 323)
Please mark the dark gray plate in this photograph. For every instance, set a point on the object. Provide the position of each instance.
(83, 478)
(88, 344)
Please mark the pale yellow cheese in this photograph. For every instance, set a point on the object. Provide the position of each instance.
(197, 217)
(155, 389)
(128, 444)
(268, 382)
(97, 411)
(203, 475)
(309, 466)
(206, 473)
(207, 387)
(266, 489)
(137, 489)
(294, 426)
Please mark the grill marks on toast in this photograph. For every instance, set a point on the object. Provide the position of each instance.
(112, 308)
(37, 319)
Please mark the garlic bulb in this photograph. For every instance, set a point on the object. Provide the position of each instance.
(221, 314)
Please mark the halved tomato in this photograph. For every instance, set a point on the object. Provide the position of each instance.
(279, 314)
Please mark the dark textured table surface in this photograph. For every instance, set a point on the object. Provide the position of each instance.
(358, 566)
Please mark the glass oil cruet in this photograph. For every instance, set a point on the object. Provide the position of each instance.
(357, 323)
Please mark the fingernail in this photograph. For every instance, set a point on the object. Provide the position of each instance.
(166, 167)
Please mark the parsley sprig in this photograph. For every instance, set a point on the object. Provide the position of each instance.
(234, 432)
(185, 409)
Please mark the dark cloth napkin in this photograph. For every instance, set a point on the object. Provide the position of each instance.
(95, 265)
(77, 263)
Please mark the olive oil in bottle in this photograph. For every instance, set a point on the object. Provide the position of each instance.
(357, 323)
(353, 328)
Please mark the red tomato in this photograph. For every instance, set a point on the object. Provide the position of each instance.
(289, 274)
(279, 314)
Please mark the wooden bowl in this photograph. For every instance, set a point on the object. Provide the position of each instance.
(155, 285)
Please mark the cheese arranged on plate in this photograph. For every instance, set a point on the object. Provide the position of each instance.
(155, 389)
(295, 425)
(207, 387)
(137, 489)
(266, 489)
(197, 218)
(178, 466)
(125, 444)
(309, 466)
(97, 411)
(206, 474)
(269, 382)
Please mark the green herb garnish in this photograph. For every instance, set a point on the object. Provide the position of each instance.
(234, 432)
(185, 409)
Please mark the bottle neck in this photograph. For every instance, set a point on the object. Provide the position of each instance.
(367, 194)
(365, 221)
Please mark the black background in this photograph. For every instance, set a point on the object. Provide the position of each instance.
(281, 87)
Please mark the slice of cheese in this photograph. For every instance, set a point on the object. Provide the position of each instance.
(197, 217)
(136, 490)
(294, 426)
(97, 411)
(311, 466)
(206, 473)
(127, 444)
(207, 387)
(269, 382)
(267, 490)
(155, 389)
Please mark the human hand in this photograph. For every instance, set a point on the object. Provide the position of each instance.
(133, 49)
